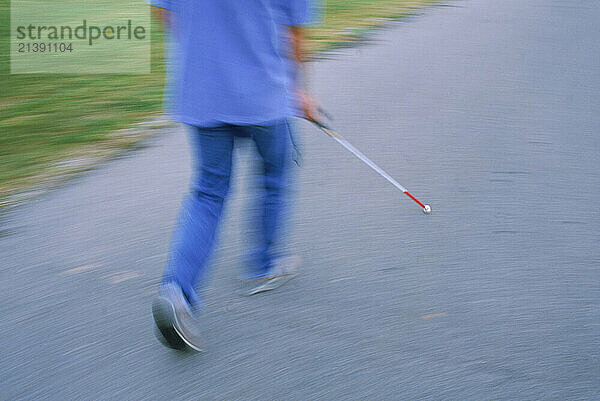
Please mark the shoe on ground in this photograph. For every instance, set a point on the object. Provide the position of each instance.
(174, 319)
(283, 270)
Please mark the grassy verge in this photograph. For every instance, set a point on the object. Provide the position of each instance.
(47, 119)
(347, 20)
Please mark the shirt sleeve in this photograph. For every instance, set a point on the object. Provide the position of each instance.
(298, 12)
(166, 4)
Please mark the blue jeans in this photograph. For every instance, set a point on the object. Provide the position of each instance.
(196, 228)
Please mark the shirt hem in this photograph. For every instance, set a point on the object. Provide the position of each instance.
(183, 119)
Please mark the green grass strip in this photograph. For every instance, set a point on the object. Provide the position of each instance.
(47, 118)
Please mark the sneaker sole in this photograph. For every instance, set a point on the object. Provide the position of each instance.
(176, 344)
(166, 322)
(271, 284)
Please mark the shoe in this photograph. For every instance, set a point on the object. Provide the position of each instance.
(174, 318)
(283, 270)
(174, 341)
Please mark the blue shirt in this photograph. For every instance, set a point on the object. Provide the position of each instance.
(229, 62)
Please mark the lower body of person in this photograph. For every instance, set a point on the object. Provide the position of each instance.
(196, 229)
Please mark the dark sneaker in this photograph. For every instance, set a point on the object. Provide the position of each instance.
(174, 318)
(174, 341)
(283, 270)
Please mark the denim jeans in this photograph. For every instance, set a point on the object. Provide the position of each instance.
(194, 236)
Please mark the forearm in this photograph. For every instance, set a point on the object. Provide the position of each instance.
(299, 54)
(298, 43)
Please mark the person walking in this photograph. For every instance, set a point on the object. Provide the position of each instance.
(230, 78)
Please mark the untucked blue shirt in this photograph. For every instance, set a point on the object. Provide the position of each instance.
(228, 62)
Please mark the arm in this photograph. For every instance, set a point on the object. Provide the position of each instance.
(298, 42)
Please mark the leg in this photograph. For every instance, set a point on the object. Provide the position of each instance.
(275, 149)
(194, 235)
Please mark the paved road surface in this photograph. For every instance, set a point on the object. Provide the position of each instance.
(488, 110)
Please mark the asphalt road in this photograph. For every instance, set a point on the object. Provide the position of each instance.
(488, 110)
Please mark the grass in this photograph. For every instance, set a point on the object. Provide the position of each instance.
(49, 118)
(347, 20)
